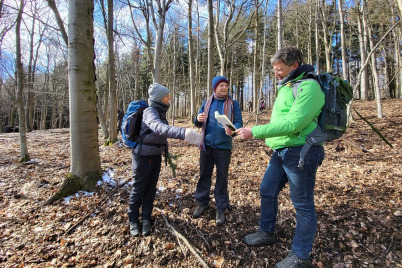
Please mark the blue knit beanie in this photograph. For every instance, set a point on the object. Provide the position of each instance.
(157, 92)
(217, 80)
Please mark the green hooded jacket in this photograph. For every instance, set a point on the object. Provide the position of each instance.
(292, 119)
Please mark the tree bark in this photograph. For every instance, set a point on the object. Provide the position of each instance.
(310, 30)
(20, 87)
(343, 43)
(256, 100)
(317, 47)
(191, 60)
(280, 28)
(363, 55)
(85, 168)
(211, 70)
(374, 70)
(112, 76)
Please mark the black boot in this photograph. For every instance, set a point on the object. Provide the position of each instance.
(259, 238)
(146, 227)
(134, 229)
(199, 211)
(220, 217)
(293, 261)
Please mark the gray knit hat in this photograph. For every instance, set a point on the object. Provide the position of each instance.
(157, 92)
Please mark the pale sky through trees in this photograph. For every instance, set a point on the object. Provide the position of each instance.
(53, 52)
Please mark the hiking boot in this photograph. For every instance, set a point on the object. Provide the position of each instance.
(220, 217)
(134, 229)
(293, 261)
(259, 238)
(146, 227)
(199, 211)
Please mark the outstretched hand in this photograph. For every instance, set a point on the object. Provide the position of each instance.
(191, 136)
(245, 133)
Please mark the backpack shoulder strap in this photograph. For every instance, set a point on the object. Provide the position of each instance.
(308, 76)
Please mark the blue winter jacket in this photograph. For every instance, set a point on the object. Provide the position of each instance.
(215, 135)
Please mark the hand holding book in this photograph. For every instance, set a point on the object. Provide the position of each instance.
(224, 121)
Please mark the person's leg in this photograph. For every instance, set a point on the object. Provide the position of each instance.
(222, 161)
(301, 184)
(272, 183)
(204, 183)
(140, 174)
(154, 164)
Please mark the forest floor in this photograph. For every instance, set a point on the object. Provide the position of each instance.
(358, 202)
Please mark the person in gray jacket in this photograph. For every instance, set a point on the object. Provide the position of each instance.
(147, 158)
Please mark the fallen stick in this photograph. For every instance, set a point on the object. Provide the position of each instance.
(180, 236)
(357, 145)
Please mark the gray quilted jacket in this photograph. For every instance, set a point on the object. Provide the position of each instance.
(156, 121)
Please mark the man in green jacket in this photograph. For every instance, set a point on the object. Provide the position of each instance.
(292, 120)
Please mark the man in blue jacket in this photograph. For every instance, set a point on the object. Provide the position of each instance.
(216, 147)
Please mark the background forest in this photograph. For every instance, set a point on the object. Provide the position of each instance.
(169, 42)
(66, 67)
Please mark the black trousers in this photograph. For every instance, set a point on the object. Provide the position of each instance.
(208, 159)
(145, 173)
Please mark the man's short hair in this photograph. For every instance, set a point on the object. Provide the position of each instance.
(288, 55)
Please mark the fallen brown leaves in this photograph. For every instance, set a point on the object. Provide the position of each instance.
(358, 201)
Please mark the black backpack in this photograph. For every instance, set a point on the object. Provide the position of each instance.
(332, 122)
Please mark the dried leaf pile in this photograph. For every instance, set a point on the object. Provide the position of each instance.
(358, 202)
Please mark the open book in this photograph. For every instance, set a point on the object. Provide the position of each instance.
(224, 121)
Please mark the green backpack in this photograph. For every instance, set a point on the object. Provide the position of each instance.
(332, 122)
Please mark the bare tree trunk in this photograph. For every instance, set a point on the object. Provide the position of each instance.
(363, 55)
(327, 36)
(211, 70)
(198, 60)
(137, 74)
(102, 120)
(85, 168)
(219, 43)
(264, 43)
(106, 99)
(310, 35)
(60, 23)
(228, 30)
(343, 43)
(256, 100)
(317, 45)
(112, 76)
(174, 77)
(61, 112)
(45, 101)
(159, 27)
(280, 31)
(30, 76)
(374, 70)
(190, 59)
(398, 59)
(20, 87)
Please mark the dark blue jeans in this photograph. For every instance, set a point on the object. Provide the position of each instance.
(221, 159)
(283, 168)
(145, 173)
